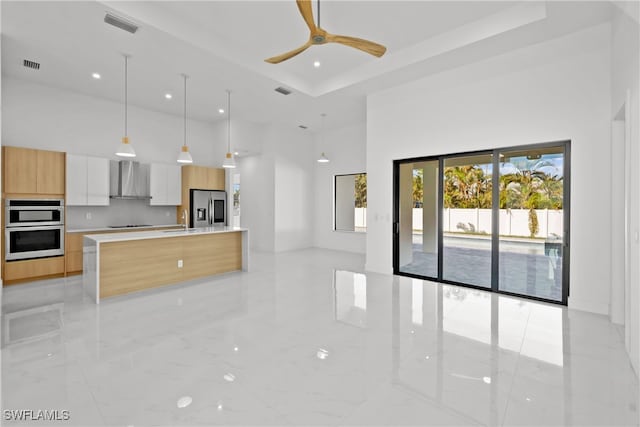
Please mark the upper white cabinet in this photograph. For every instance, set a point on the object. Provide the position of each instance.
(165, 185)
(87, 181)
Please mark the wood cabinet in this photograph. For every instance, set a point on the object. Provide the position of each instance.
(203, 178)
(50, 172)
(199, 178)
(19, 165)
(165, 183)
(87, 181)
(34, 172)
(73, 252)
(33, 268)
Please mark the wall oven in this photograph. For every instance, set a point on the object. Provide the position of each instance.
(33, 228)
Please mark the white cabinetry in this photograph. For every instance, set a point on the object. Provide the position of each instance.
(165, 185)
(87, 181)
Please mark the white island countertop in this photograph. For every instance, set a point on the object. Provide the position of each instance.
(137, 228)
(158, 234)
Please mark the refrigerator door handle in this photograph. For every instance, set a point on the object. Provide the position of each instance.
(210, 211)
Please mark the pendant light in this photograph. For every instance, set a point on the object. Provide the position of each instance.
(185, 156)
(229, 161)
(322, 158)
(125, 149)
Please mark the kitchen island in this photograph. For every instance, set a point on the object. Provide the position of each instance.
(120, 263)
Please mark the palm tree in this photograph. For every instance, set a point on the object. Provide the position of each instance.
(524, 189)
(467, 187)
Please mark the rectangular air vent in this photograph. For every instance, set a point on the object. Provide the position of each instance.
(31, 64)
(121, 23)
(302, 126)
(283, 90)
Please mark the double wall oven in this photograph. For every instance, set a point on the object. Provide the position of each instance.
(34, 228)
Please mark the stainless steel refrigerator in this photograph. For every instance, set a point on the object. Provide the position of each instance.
(207, 208)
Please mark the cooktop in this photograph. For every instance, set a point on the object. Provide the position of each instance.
(130, 225)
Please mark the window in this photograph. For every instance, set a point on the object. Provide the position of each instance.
(351, 202)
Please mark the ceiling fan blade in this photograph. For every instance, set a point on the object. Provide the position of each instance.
(291, 54)
(374, 49)
(307, 13)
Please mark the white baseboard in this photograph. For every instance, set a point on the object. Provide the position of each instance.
(590, 306)
(377, 269)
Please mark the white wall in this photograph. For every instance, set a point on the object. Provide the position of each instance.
(257, 195)
(276, 201)
(294, 215)
(346, 150)
(48, 118)
(625, 76)
(547, 92)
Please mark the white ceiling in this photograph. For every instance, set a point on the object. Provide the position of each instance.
(222, 44)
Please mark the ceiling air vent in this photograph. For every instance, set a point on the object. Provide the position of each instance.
(283, 90)
(121, 23)
(31, 64)
(302, 126)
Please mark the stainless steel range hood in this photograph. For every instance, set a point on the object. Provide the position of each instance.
(129, 180)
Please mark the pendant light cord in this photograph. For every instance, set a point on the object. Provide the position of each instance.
(185, 109)
(322, 130)
(229, 121)
(126, 60)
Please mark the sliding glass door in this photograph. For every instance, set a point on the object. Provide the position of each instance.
(531, 239)
(466, 254)
(418, 218)
(496, 219)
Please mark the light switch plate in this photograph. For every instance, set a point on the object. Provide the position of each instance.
(180, 263)
(88, 215)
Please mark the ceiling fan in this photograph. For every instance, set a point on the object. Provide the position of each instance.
(320, 36)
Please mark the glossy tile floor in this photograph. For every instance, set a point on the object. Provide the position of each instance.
(307, 339)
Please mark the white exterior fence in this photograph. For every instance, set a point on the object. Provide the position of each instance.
(513, 222)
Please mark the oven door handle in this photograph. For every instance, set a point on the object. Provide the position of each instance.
(33, 228)
(36, 208)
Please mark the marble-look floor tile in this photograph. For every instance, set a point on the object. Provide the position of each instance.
(308, 338)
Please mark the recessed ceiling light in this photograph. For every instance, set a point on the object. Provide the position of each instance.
(96, 76)
(184, 401)
(168, 95)
(316, 64)
(235, 153)
(221, 110)
(322, 354)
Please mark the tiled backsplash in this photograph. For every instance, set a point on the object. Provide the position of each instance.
(119, 212)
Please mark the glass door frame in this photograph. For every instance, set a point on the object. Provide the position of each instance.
(495, 216)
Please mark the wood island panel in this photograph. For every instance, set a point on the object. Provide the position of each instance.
(134, 265)
(73, 242)
(207, 255)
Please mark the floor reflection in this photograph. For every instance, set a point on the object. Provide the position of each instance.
(350, 297)
(307, 338)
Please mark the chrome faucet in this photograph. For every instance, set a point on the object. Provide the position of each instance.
(185, 218)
